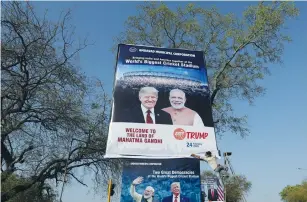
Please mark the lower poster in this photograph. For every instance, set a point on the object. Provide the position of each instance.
(161, 180)
(212, 188)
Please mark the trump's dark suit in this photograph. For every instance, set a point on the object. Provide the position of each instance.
(135, 115)
(214, 197)
(170, 199)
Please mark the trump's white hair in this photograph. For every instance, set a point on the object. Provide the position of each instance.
(175, 183)
(148, 89)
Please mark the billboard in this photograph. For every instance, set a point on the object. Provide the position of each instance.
(161, 104)
(212, 188)
(160, 180)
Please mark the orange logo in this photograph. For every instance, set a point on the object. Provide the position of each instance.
(179, 134)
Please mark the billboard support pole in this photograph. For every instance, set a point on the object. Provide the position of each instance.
(109, 190)
(226, 154)
(225, 199)
(224, 180)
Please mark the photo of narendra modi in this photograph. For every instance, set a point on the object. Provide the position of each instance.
(156, 86)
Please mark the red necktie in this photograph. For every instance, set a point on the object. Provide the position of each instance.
(148, 117)
(212, 192)
(176, 196)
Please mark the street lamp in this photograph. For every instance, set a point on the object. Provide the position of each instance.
(225, 154)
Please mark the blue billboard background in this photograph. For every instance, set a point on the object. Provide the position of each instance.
(174, 69)
(190, 184)
(125, 54)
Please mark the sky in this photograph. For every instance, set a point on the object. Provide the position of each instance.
(277, 144)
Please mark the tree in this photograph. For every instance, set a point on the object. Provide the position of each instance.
(296, 193)
(53, 119)
(236, 186)
(207, 173)
(42, 193)
(238, 51)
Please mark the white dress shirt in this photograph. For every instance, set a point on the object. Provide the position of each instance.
(152, 114)
(198, 121)
(178, 198)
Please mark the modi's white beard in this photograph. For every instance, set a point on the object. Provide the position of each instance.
(178, 106)
(147, 196)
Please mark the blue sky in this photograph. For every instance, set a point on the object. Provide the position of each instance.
(277, 145)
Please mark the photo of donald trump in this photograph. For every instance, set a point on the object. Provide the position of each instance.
(146, 112)
(176, 194)
(182, 115)
(212, 193)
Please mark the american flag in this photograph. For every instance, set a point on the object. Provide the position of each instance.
(220, 190)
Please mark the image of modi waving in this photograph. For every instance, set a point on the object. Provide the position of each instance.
(148, 194)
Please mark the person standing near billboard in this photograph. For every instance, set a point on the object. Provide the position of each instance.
(181, 115)
(147, 113)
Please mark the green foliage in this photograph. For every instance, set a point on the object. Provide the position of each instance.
(238, 51)
(34, 194)
(237, 186)
(207, 173)
(296, 193)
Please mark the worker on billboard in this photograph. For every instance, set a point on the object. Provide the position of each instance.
(211, 160)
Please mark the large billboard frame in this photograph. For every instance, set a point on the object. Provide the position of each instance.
(131, 155)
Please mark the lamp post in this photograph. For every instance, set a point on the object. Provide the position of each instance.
(225, 154)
